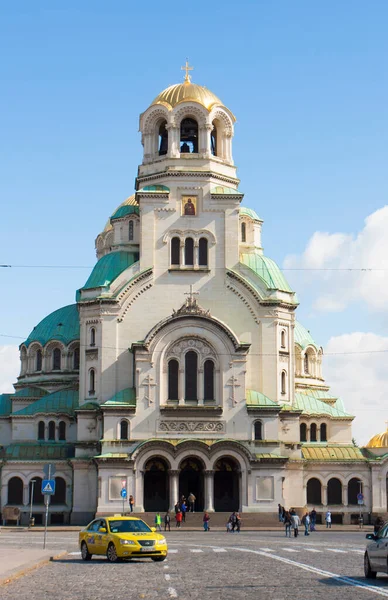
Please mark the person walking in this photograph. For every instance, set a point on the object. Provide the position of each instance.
(295, 522)
(158, 522)
(313, 519)
(131, 502)
(167, 521)
(183, 511)
(178, 519)
(280, 512)
(238, 522)
(191, 499)
(287, 523)
(206, 520)
(233, 521)
(306, 523)
(328, 520)
(176, 507)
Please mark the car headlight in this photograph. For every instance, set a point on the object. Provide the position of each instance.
(161, 541)
(128, 542)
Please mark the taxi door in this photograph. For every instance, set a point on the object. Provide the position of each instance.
(102, 537)
(379, 550)
(91, 536)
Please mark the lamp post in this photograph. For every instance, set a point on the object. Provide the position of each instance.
(33, 481)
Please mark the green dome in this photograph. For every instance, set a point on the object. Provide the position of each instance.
(267, 270)
(222, 190)
(249, 212)
(109, 267)
(125, 210)
(302, 337)
(155, 188)
(61, 325)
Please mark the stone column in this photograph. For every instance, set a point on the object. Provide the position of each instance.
(324, 495)
(200, 386)
(209, 490)
(182, 253)
(196, 254)
(181, 390)
(345, 495)
(174, 487)
(173, 141)
(204, 140)
(139, 495)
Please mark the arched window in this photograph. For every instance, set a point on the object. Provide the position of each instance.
(203, 252)
(56, 359)
(283, 382)
(60, 491)
(36, 489)
(130, 231)
(41, 430)
(354, 488)
(124, 430)
(258, 430)
(283, 339)
(92, 337)
(313, 432)
(51, 431)
(243, 232)
(175, 251)
(334, 491)
(15, 491)
(306, 363)
(189, 251)
(213, 140)
(208, 372)
(173, 377)
(191, 368)
(92, 381)
(303, 432)
(189, 136)
(163, 139)
(314, 491)
(323, 432)
(62, 431)
(38, 363)
(76, 359)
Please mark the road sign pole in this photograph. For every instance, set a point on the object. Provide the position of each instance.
(47, 500)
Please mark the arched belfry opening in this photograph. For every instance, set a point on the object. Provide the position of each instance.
(226, 485)
(191, 481)
(156, 485)
(189, 136)
(163, 139)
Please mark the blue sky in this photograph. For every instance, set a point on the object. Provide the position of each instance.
(306, 80)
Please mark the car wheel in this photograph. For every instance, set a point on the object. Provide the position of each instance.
(158, 558)
(111, 553)
(369, 574)
(85, 554)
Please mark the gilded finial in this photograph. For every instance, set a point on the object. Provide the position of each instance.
(187, 68)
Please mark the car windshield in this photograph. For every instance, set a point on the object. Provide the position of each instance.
(123, 526)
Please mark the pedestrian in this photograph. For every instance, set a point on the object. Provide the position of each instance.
(295, 522)
(287, 523)
(206, 520)
(238, 522)
(378, 525)
(191, 500)
(280, 512)
(178, 519)
(167, 521)
(313, 519)
(158, 521)
(183, 511)
(306, 523)
(176, 507)
(328, 520)
(131, 502)
(233, 521)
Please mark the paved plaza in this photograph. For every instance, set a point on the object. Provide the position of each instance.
(213, 565)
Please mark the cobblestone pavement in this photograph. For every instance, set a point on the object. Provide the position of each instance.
(202, 566)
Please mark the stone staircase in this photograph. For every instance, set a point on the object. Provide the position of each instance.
(217, 519)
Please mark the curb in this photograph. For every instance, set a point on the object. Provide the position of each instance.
(27, 568)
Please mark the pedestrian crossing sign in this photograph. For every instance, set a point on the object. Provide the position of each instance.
(48, 486)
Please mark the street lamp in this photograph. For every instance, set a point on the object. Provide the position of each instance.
(32, 482)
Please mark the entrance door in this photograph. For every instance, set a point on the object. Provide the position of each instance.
(156, 485)
(191, 481)
(226, 485)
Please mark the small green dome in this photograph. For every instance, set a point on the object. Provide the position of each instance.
(222, 190)
(249, 212)
(125, 210)
(303, 337)
(61, 325)
(267, 270)
(109, 267)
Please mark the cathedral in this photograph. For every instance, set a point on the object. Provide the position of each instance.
(181, 367)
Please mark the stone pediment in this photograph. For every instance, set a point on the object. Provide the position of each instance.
(191, 307)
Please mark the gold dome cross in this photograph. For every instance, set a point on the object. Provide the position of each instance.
(187, 69)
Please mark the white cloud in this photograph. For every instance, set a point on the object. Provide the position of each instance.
(356, 368)
(9, 368)
(337, 287)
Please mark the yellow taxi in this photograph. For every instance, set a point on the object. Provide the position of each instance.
(121, 538)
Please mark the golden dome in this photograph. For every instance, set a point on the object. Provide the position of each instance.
(186, 92)
(379, 441)
(129, 201)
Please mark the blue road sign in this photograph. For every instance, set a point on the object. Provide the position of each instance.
(123, 493)
(48, 486)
